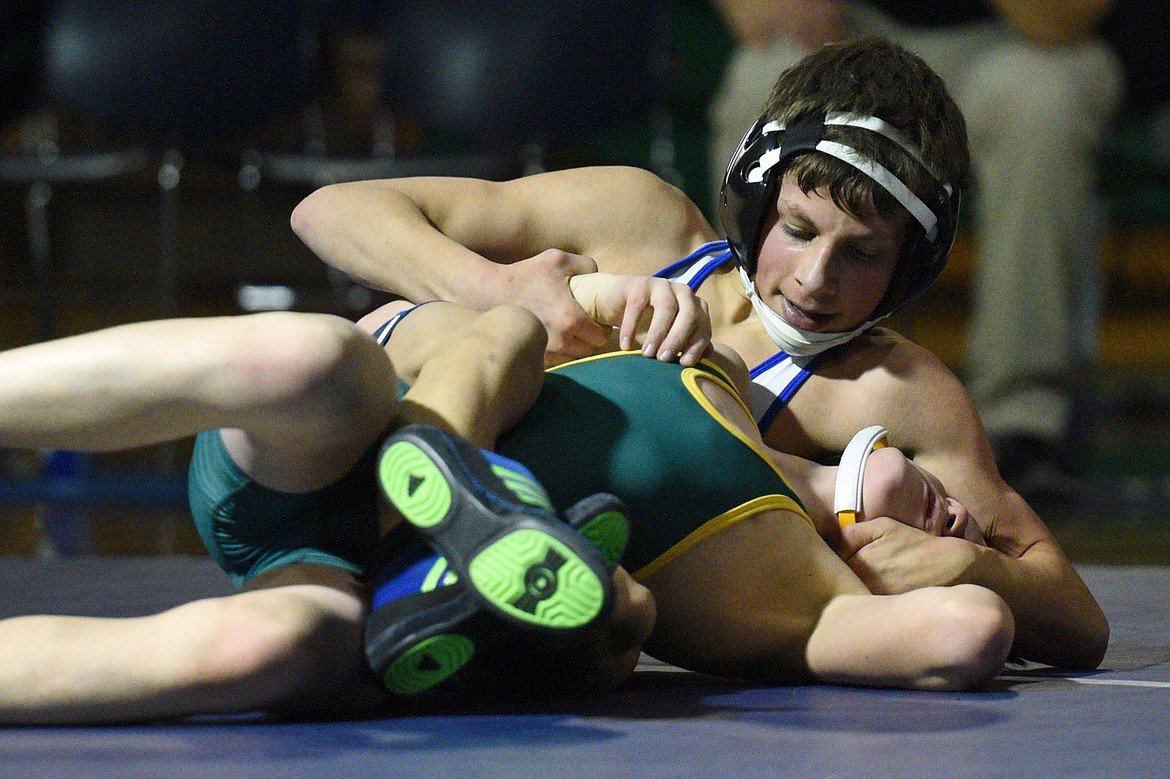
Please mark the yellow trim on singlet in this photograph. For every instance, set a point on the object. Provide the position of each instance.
(719, 523)
(606, 355)
(691, 378)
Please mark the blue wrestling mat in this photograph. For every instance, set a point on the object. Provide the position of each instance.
(663, 723)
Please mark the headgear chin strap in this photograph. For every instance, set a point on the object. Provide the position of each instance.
(793, 340)
(754, 173)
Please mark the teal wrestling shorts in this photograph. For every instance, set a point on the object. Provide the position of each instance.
(249, 528)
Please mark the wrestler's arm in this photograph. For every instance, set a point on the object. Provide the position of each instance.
(766, 599)
(930, 415)
(483, 243)
(665, 319)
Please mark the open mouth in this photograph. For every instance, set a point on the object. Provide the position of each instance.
(800, 318)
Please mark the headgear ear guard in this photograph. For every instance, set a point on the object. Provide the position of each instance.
(757, 167)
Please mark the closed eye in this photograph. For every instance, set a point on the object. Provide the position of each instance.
(798, 233)
(865, 255)
(929, 505)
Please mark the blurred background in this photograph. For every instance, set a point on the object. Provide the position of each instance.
(151, 153)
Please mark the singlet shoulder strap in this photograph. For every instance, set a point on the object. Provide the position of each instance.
(775, 381)
(694, 269)
(383, 332)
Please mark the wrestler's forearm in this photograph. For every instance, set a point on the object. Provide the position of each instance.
(1058, 622)
(381, 236)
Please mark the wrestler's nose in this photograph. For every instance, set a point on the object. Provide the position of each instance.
(816, 271)
(957, 519)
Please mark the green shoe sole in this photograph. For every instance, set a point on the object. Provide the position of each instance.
(414, 484)
(537, 579)
(428, 664)
(609, 532)
(519, 558)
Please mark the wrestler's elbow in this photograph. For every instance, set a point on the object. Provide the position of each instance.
(1096, 645)
(1096, 640)
(322, 221)
(1088, 649)
(967, 641)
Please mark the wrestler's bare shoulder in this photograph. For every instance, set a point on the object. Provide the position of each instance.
(884, 354)
(628, 219)
(881, 377)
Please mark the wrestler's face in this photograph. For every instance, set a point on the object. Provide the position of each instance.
(821, 269)
(896, 487)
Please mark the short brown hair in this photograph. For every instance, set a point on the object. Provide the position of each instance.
(873, 77)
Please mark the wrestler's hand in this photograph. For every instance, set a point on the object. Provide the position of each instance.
(891, 557)
(667, 320)
(541, 284)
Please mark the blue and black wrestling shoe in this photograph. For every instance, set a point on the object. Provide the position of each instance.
(496, 558)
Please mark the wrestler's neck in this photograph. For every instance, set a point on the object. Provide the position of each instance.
(728, 303)
(732, 319)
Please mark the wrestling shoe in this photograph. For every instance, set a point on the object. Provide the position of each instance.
(423, 626)
(507, 561)
(603, 520)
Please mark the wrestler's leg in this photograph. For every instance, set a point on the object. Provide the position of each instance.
(311, 391)
(477, 373)
(301, 396)
(462, 379)
(767, 599)
(256, 650)
(473, 372)
(350, 404)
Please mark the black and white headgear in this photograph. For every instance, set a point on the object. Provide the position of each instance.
(750, 186)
